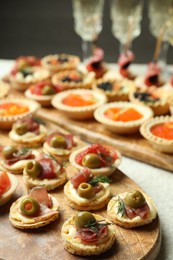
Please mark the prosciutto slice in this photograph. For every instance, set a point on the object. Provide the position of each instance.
(152, 74)
(40, 194)
(133, 212)
(20, 156)
(125, 59)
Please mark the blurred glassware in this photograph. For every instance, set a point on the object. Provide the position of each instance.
(161, 26)
(126, 16)
(88, 16)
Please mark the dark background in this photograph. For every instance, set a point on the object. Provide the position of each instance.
(42, 27)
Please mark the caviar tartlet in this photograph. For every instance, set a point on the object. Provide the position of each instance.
(123, 117)
(60, 62)
(44, 171)
(159, 132)
(60, 145)
(8, 184)
(14, 159)
(101, 160)
(87, 234)
(27, 131)
(4, 89)
(131, 209)
(34, 210)
(85, 192)
(14, 109)
(78, 103)
(72, 79)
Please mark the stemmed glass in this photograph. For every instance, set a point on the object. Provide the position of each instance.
(88, 16)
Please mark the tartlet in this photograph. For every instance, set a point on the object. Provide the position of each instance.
(74, 239)
(60, 62)
(45, 205)
(123, 117)
(72, 79)
(14, 109)
(159, 132)
(78, 103)
(8, 184)
(102, 160)
(128, 216)
(4, 89)
(28, 132)
(83, 192)
(44, 171)
(60, 145)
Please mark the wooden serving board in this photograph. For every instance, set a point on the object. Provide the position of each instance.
(45, 243)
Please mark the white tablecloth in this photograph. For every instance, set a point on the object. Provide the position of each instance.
(156, 182)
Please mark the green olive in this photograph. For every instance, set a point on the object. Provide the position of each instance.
(48, 90)
(91, 161)
(29, 206)
(20, 128)
(58, 142)
(82, 219)
(22, 64)
(33, 168)
(134, 199)
(9, 151)
(85, 190)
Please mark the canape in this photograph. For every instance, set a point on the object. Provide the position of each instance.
(4, 89)
(78, 103)
(34, 210)
(87, 234)
(85, 192)
(101, 160)
(159, 132)
(131, 209)
(123, 117)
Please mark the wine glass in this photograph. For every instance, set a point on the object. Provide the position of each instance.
(88, 16)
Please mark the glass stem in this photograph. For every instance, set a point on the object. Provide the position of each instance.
(87, 49)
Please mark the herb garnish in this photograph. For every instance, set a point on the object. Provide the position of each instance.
(97, 179)
(96, 225)
(121, 207)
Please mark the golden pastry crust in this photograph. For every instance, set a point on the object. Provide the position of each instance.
(6, 122)
(44, 100)
(75, 246)
(121, 127)
(79, 112)
(98, 201)
(70, 62)
(104, 171)
(23, 222)
(29, 139)
(49, 184)
(22, 83)
(126, 222)
(158, 143)
(17, 167)
(4, 89)
(86, 80)
(4, 198)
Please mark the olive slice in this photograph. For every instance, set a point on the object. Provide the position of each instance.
(9, 151)
(58, 142)
(48, 90)
(85, 190)
(83, 219)
(20, 128)
(33, 168)
(29, 206)
(91, 161)
(134, 199)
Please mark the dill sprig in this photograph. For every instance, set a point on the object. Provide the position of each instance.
(121, 207)
(96, 225)
(97, 179)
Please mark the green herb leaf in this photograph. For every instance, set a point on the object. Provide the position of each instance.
(97, 179)
(121, 207)
(96, 225)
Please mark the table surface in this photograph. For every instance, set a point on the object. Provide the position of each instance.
(156, 182)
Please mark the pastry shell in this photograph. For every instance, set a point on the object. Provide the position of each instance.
(126, 222)
(82, 112)
(79, 203)
(158, 143)
(75, 246)
(104, 171)
(120, 127)
(44, 100)
(6, 122)
(4, 89)
(18, 221)
(4, 198)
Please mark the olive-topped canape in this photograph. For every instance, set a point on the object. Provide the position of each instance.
(85, 192)
(131, 209)
(34, 210)
(87, 234)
